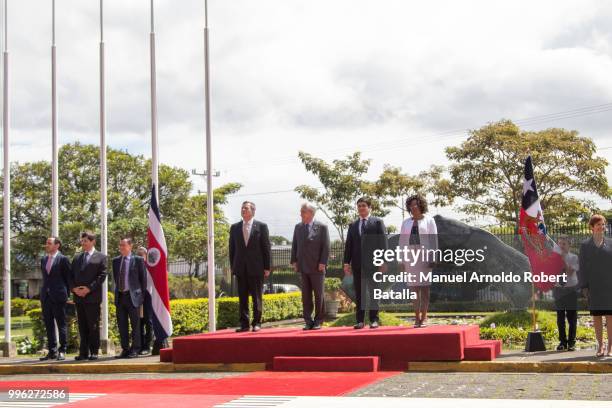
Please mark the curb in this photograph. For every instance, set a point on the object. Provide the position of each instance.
(93, 368)
(584, 367)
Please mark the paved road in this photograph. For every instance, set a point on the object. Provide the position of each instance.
(493, 385)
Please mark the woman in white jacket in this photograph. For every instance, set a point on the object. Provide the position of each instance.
(419, 232)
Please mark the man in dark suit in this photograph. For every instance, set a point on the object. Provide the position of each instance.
(130, 285)
(146, 321)
(309, 254)
(88, 274)
(364, 235)
(55, 268)
(250, 254)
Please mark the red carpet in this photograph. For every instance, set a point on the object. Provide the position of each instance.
(394, 345)
(258, 383)
(154, 401)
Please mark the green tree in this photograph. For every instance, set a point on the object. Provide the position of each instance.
(487, 172)
(343, 183)
(129, 184)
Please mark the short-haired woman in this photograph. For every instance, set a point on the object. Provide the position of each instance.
(596, 279)
(419, 232)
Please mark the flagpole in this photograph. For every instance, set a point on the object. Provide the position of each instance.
(103, 195)
(154, 143)
(54, 126)
(212, 326)
(8, 348)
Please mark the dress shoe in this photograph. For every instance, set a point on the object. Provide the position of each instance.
(316, 326)
(242, 329)
(132, 354)
(123, 354)
(308, 326)
(93, 357)
(359, 325)
(49, 356)
(374, 325)
(256, 328)
(571, 347)
(144, 352)
(61, 356)
(81, 357)
(561, 347)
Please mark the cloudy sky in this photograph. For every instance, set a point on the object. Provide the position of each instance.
(399, 80)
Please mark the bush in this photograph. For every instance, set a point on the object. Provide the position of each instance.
(19, 306)
(386, 319)
(189, 316)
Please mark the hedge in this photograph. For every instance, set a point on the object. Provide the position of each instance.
(19, 306)
(188, 316)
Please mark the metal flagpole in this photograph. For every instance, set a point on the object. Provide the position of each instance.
(8, 348)
(154, 144)
(103, 197)
(212, 326)
(54, 164)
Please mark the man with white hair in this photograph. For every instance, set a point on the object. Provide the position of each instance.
(309, 254)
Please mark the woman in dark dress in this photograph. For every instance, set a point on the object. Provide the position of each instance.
(596, 280)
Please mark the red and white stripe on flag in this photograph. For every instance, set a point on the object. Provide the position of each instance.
(157, 267)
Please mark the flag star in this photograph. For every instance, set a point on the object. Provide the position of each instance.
(527, 186)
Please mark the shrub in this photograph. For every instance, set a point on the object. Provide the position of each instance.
(386, 319)
(19, 306)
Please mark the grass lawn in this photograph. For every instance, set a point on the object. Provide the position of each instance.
(21, 326)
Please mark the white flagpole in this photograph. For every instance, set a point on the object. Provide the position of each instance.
(212, 326)
(154, 144)
(103, 197)
(8, 351)
(54, 164)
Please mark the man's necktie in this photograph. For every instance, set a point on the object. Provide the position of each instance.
(49, 263)
(362, 228)
(122, 275)
(245, 233)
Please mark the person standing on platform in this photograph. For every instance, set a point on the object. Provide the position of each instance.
(357, 248)
(566, 297)
(309, 254)
(55, 268)
(419, 231)
(595, 260)
(130, 285)
(88, 274)
(250, 257)
(146, 321)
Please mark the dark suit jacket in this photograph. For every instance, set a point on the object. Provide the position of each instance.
(92, 275)
(137, 279)
(595, 273)
(251, 259)
(56, 283)
(308, 251)
(355, 245)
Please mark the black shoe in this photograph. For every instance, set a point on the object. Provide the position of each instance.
(308, 326)
(374, 325)
(316, 326)
(49, 356)
(123, 354)
(242, 329)
(571, 347)
(561, 347)
(359, 325)
(61, 356)
(93, 357)
(256, 328)
(81, 357)
(144, 352)
(132, 354)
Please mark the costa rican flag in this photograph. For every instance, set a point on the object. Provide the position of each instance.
(543, 253)
(157, 281)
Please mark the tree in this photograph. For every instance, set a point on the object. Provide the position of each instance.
(279, 240)
(487, 172)
(129, 184)
(343, 184)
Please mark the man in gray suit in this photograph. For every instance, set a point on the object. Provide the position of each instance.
(309, 254)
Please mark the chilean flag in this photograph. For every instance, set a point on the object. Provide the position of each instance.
(157, 280)
(543, 253)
